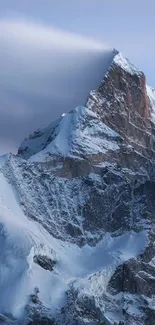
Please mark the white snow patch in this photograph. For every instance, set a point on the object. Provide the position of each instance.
(105, 164)
(125, 64)
(95, 98)
(37, 141)
(3, 159)
(151, 95)
(105, 258)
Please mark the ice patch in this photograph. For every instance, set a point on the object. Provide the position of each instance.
(125, 64)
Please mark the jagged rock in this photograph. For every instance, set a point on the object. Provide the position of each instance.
(123, 104)
(134, 277)
(44, 261)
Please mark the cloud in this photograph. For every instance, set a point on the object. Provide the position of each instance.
(44, 72)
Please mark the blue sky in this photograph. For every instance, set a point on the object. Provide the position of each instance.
(126, 24)
(30, 66)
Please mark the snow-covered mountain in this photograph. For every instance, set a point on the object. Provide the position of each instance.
(79, 133)
(77, 211)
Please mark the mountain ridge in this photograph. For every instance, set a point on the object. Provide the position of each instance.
(77, 212)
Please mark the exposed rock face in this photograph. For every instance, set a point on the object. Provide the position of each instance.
(83, 207)
(122, 103)
(45, 262)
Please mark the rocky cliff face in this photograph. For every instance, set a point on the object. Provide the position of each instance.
(78, 212)
(124, 105)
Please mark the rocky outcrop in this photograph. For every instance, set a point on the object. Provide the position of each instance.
(123, 104)
(44, 261)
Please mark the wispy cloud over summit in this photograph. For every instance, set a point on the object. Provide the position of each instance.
(44, 72)
(29, 33)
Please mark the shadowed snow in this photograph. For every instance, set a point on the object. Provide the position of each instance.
(22, 238)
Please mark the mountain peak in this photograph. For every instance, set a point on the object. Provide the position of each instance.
(118, 114)
(77, 216)
(125, 64)
(126, 104)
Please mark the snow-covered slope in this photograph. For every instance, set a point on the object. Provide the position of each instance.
(79, 133)
(87, 269)
(121, 61)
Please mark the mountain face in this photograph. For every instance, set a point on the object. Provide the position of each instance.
(77, 212)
